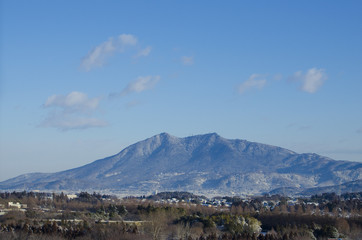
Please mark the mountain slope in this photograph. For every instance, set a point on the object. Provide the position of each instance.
(203, 163)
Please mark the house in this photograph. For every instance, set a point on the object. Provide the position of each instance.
(17, 205)
(71, 196)
(14, 205)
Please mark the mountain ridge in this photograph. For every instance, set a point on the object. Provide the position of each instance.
(202, 163)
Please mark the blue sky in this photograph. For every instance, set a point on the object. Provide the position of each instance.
(81, 80)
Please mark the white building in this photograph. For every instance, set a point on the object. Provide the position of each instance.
(17, 205)
(14, 205)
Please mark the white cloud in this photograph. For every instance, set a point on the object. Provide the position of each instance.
(144, 52)
(312, 80)
(98, 56)
(255, 81)
(187, 60)
(73, 102)
(127, 39)
(72, 111)
(140, 84)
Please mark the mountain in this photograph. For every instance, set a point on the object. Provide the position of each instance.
(207, 164)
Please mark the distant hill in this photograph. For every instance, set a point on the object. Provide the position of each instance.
(353, 186)
(348, 187)
(206, 164)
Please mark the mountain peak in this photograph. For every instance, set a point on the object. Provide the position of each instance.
(214, 134)
(164, 134)
(211, 137)
(164, 138)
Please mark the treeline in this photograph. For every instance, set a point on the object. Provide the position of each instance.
(347, 205)
(23, 195)
(82, 196)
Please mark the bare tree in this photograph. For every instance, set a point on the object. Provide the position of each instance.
(182, 231)
(155, 224)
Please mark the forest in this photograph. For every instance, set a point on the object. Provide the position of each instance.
(178, 215)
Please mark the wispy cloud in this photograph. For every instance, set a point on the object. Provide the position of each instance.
(143, 52)
(138, 85)
(310, 81)
(66, 122)
(126, 40)
(98, 56)
(72, 102)
(133, 104)
(257, 81)
(278, 77)
(187, 60)
(72, 111)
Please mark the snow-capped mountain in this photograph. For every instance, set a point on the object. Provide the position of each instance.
(207, 164)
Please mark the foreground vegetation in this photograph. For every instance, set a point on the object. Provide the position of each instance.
(178, 215)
